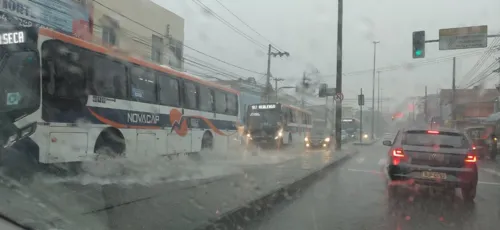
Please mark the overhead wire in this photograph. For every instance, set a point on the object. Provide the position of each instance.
(189, 47)
(251, 28)
(477, 66)
(235, 29)
(486, 73)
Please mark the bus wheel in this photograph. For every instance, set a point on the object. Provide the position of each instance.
(109, 145)
(207, 142)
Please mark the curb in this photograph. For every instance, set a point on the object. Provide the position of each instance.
(259, 207)
(366, 143)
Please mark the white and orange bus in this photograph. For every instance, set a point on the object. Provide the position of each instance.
(76, 101)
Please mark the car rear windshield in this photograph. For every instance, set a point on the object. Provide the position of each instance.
(441, 139)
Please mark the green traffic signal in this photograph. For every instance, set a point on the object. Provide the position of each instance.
(418, 53)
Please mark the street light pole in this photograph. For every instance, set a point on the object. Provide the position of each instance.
(338, 108)
(373, 88)
(276, 80)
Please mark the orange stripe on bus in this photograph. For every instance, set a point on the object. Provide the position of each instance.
(110, 52)
(123, 126)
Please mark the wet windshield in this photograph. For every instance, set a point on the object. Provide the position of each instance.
(249, 114)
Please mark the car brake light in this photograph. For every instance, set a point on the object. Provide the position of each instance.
(398, 153)
(432, 132)
(473, 147)
(470, 158)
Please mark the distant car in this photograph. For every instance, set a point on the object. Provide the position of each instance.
(318, 137)
(442, 157)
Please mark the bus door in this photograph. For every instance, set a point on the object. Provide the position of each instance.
(145, 110)
(170, 106)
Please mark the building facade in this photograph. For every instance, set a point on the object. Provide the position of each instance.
(72, 17)
(140, 28)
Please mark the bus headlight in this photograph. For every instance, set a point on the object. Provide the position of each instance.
(365, 136)
(327, 139)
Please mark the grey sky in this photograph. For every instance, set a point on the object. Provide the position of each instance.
(307, 29)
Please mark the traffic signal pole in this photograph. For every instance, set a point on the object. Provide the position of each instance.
(373, 88)
(338, 108)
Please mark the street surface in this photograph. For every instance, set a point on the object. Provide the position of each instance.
(354, 196)
(177, 194)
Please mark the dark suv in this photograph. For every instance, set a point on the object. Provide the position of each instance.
(442, 157)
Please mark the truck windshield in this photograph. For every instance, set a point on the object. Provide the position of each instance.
(18, 81)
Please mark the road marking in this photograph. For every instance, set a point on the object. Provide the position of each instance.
(489, 183)
(360, 160)
(381, 161)
(491, 171)
(365, 171)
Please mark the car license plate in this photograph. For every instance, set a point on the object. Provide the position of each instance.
(436, 157)
(263, 141)
(433, 175)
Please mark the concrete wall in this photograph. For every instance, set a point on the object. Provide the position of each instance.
(135, 22)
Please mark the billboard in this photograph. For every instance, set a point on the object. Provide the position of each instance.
(71, 17)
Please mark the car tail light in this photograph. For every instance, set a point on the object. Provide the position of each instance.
(473, 147)
(470, 158)
(432, 132)
(398, 153)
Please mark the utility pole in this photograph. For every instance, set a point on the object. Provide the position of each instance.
(373, 88)
(426, 117)
(378, 91)
(276, 80)
(360, 118)
(453, 93)
(338, 108)
(268, 79)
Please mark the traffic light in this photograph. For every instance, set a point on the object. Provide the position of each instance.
(419, 44)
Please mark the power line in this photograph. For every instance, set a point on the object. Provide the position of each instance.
(246, 36)
(244, 23)
(410, 65)
(189, 47)
(483, 75)
(487, 54)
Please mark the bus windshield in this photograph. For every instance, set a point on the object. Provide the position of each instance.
(19, 72)
(260, 118)
(18, 80)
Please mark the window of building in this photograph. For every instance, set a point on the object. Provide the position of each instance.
(157, 49)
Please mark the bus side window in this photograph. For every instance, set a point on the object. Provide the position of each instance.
(142, 85)
(220, 102)
(66, 71)
(108, 78)
(168, 90)
(190, 96)
(206, 100)
(232, 104)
